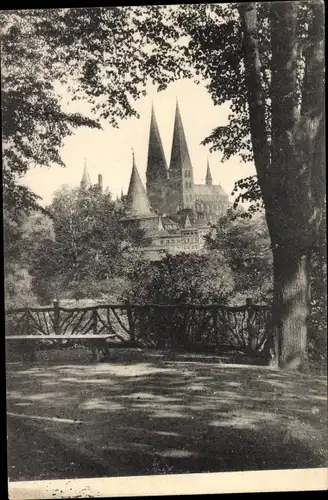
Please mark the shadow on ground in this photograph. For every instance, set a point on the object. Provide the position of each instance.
(158, 413)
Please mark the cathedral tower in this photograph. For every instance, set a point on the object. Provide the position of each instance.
(157, 171)
(181, 171)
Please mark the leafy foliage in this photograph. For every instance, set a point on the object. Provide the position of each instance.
(184, 278)
(245, 246)
(91, 244)
(79, 247)
(33, 123)
(18, 281)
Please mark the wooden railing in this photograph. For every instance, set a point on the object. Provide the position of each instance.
(153, 325)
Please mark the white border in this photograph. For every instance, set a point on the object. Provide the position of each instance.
(179, 484)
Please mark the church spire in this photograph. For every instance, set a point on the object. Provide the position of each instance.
(85, 181)
(181, 171)
(208, 178)
(157, 170)
(137, 201)
(179, 153)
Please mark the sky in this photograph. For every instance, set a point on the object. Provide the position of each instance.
(109, 151)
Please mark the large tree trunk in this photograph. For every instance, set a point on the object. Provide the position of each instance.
(291, 307)
(285, 182)
(312, 123)
(290, 178)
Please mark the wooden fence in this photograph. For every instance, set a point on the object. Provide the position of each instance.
(163, 326)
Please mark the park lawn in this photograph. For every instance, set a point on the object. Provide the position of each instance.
(147, 412)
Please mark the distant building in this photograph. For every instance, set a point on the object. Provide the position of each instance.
(172, 190)
(175, 212)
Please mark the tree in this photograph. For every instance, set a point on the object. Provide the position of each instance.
(38, 252)
(275, 85)
(18, 281)
(80, 247)
(289, 169)
(33, 123)
(245, 246)
(91, 244)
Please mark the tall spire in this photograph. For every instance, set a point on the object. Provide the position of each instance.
(138, 203)
(85, 181)
(208, 178)
(157, 170)
(179, 153)
(181, 171)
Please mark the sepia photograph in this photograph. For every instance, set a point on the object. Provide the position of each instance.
(165, 268)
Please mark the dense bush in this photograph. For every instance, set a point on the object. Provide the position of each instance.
(184, 278)
(18, 288)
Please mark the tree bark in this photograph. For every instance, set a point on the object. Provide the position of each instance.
(291, 307)
(312, 126)
(290, 178)
(285, 174)
(256, 104)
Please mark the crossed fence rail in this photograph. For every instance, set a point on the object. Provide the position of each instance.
(151, 325)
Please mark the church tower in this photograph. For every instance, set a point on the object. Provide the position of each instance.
(85, 181)
(157, 171)
(181, 171)
(137, 201)
(208, 178)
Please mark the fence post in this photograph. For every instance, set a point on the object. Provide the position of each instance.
(56, 317)
(250, 328)
(142, 333)
(27, 322)
(94, 321)
(131, 322)
(186, 340)
(215, 325)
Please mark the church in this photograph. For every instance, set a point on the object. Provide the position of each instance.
(171, 190)
(175, 212)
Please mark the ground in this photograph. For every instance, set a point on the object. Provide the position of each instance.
(149, 412)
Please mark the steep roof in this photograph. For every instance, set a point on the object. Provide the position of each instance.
(180, 157)
(205, 190)
(137, 201)
(156, 162)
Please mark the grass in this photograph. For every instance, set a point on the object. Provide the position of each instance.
(148, 412)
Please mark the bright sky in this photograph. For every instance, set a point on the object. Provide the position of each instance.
(108, 151)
